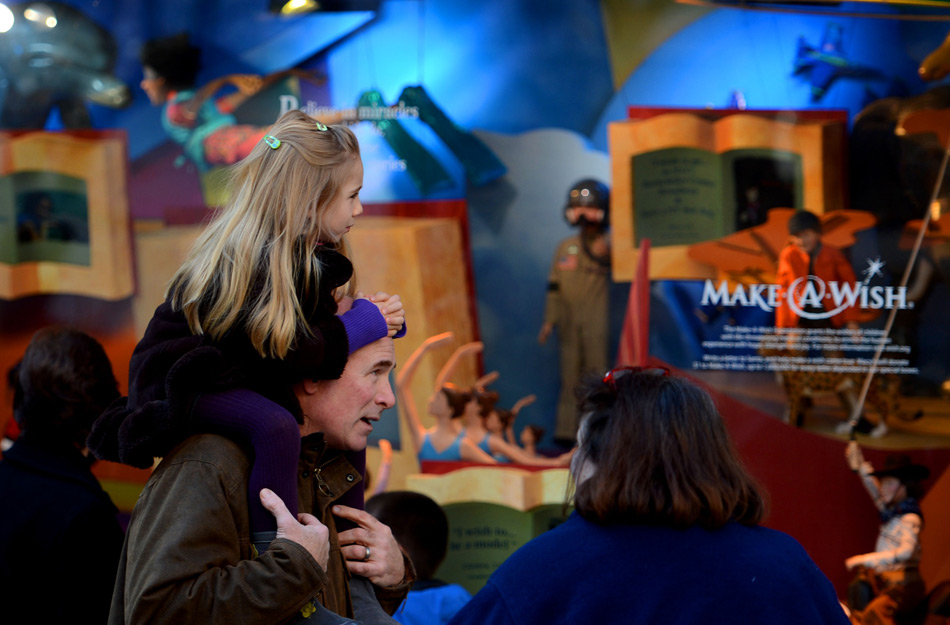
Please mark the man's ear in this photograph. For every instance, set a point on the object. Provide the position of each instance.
(309, 387)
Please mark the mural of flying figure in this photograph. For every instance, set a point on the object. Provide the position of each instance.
(54, 57)
(827, 62)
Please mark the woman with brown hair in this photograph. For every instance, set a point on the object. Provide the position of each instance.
(665, 527)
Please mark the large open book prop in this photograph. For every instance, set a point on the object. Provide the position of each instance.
(64, 215)
(680, 178)
(492, 511)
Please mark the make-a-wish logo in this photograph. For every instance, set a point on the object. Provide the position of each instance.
(810, 297)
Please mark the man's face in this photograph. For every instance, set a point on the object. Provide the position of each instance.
(346, 409)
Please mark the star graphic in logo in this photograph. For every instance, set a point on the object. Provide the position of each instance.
(873, 269)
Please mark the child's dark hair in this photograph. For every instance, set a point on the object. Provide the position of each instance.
(536, 431)
(174, 59)
(418, 524)
(486, 401)
(457, 399)
(803, 220)
(506, 417)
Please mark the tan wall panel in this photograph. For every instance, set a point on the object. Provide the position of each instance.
(421, 260)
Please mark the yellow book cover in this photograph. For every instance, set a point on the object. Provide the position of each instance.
(680, 178)
(64, 215)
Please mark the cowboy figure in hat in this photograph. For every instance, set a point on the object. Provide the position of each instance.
(888, 582)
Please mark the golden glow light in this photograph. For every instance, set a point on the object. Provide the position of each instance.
(41, 14)
(6, 18)
(299, 6)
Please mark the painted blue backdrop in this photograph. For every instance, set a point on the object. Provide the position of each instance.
(534, 81)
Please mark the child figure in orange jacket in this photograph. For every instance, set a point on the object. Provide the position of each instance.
(803, 260)
(807, 256)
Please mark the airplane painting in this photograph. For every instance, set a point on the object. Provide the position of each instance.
(827, 62)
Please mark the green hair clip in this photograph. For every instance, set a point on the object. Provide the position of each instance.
(321, 126)
(272, 141)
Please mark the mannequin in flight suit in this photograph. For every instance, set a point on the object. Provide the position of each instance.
(577, 298)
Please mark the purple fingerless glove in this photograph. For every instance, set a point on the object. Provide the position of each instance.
(364, 324)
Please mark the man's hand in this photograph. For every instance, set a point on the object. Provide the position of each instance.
(385, 565)
(306, 530)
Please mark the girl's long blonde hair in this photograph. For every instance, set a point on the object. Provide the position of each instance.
(244, 270)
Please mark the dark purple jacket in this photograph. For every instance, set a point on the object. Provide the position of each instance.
(171, 367)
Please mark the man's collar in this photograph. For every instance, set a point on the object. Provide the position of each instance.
(316, 443)
(313, 442)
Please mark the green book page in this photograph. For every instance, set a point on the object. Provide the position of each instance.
(52, 215)
(8, 222)
(677, 196)
(483, 535)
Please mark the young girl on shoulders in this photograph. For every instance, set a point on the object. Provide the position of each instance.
(254, 309)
